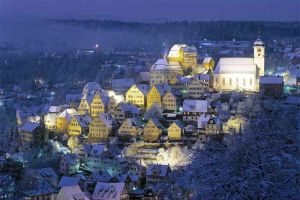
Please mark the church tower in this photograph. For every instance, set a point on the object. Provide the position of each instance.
(259, 55)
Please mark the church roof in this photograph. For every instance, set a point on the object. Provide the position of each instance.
(259, 42)
(236, 65)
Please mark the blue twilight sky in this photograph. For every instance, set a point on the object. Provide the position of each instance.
(155, 10)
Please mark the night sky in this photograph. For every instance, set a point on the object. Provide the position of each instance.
(155, 11)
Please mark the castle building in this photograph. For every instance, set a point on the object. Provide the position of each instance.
(240, 73)
(185, 55)
(163, 71)
(137, 95)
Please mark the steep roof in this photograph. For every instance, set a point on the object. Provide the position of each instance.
(91, 86)
(236, 66)
(108, 191)
(128, 107)
(174, 51)
(123, 82)
(68, 181)
(30, 126)
(71, 192)
(195, 106)
(271, 79)
(160, 64)
(162, 170)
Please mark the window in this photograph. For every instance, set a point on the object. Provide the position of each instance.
(223, 81)
(230, 81)
(251, 81)
(244, 81)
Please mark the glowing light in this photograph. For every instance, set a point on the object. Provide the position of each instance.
(97, 46)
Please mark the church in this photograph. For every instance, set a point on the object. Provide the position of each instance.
(243, 73)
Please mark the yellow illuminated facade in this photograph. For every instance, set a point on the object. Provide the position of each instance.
(169, 101)
(128, 127)
(97, 106)
(84, 107)
(62, 124)
(185, 55)
(153, 97)
(74, 128)
(208, 63)
(98, 131)
(152, 131)
(137, 95)
(175, 131)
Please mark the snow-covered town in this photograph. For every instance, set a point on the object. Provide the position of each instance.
(188, 119)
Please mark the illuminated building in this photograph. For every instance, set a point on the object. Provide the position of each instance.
(79, 125)
(153, 130)
(169, 101)
(137, 95)
(176, 130)
(163, 71)
(130, 127)
(208, 63)
(84, 106)
(156, 93)
(157, 173)
(99, 104)
(63, 119)
(185, 55)
(259, 55)
(240, 73)
(101, 128)
(125, 110)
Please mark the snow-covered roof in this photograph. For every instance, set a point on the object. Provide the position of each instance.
(100, 176)
(83, 120)
(259, 42)
(128, 107)
(236, 66)
(203, 120)
(190, 49)
(29, 126)
(107, 119)
(162, 88)
(71, 157)
(108, 191)
(207, 59)
(179, 124)
(68, 181)
(195, 106)
(156, 169)
(271, 80)
(90, 86)
(134, 121)
(174, 51)
(122, 83)
(54, 109)
(160, 64)
(156, 122)
(143, 88)
(145, 76)
(71, 192)
(68, 113)
(203, 77)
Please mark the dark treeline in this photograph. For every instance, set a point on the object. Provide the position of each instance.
(213, 30)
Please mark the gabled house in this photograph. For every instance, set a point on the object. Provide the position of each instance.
(192, 109)
(31, 135)
(153, 130)
(156, 93)
(176, 130)
(126, 110)
(130, 127)
(101, 128)
(64, 118)
(157, 174)
(137, 95)
(79, 125)
(169, 101)
(71, 192)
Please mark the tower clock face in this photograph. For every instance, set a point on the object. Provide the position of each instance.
(258, 50)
